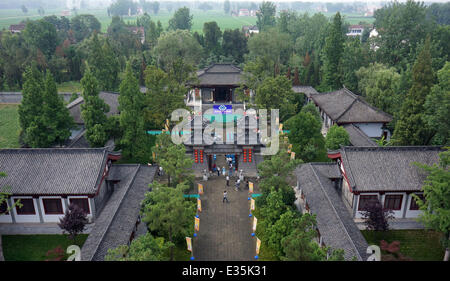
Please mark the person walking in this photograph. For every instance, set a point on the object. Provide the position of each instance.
(238, 182)
(246, 185)
(224, 171)
(225, 196)
(228, 181)
(218, 171)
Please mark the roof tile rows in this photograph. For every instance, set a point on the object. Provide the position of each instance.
(343, 107)
(118, 218)
(387, 168)
(334, 221)
(52, 171)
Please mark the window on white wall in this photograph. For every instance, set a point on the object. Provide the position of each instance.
(4, 208)
(27, 207)
(82, 203)
(52, 206)
(413, 206)
(393, 202)
(366, 200)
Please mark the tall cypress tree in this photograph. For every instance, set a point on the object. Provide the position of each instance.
(104, 64)
(411, 128)
(93, 111)
(135, 141)
(32, 92)
(333, 49)
(56, 116)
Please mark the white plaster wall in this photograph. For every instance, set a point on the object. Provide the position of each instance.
(26, 218)
(373, 130)
(51, 218)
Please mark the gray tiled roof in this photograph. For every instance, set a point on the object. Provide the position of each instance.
(52, 170)
(118, 218)
(307, 90)
(111, 99)
(358, 137)
(387, 168)
(336, 227)
(329, 170)
(219, 74)
(343, 106)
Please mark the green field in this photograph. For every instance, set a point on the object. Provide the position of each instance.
(69, 87)
(420, 245)
(14, 16)
(35, 247)
(9, 126)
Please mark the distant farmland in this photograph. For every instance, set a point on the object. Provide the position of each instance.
(14, 16)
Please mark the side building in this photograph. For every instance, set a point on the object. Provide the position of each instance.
(316, 193)
(47, 180)
(361, 120)
(387, 174)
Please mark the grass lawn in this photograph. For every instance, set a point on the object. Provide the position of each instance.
(14, 16)
(70, 87)
(9, 126)
(35, 247)
(420, 245)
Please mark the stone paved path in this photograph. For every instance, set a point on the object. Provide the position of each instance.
(225, 228)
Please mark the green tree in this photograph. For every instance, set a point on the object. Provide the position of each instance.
(437, 107)
(83, 26)
(144, 248)
(182, 19)
(163, 96)
(411, 128)
(32, 102)
(354, 56)
(234, 44)
(56, 116)
(177, 164)
(43, 117)
(336, 137)
(380, 85)
(41, 35)
(284, 226)
(93, 111)
(176, 53)
(436, 204)
(277, 93)
(270, 50)
(212, 34)
(306, 137)
(167, 213)
(332, 54)
(311, 108)
(104, 64)
(299, 245)
(135, 142)
(266, 15)
(226, 6)
(401, 27)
